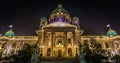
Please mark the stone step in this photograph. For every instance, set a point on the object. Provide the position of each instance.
(59, 60)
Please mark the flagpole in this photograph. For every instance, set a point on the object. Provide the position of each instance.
(110, 27)
(10, 28)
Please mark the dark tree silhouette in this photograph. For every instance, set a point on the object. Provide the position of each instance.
(24, 55)
(93, 51)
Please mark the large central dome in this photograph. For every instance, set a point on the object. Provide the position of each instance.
(59, 9)
(60, 15)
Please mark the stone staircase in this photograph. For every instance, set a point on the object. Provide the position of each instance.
(58, 60)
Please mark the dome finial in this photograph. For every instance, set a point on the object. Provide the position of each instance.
(59, 5)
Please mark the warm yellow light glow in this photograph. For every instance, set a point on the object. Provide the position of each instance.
(42, 46)
(75, 46)
(109, 48)
(57, 13)
(60, 24)
(61, 13)
(59, 44)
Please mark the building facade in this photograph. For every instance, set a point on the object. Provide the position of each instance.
(58, 36)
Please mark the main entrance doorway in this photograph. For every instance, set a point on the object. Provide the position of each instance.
(59, 53)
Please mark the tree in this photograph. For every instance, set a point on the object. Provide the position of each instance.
(93, 51)
(117, 58)
(24, 55)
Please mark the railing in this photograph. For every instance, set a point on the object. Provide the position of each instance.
(25, 38)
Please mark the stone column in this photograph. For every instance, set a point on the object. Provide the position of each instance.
(40, 41)
(16, 45)
(65, 42)
(52, 43)
(112, 45)
(73, 43)
(44, 36)
(40, 38)
(44, 40)
(103, 45)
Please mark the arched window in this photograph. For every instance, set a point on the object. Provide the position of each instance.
(59, 42)
(4, 45)
(106, 45)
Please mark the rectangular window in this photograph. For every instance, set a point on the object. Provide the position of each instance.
(116, 45)
(69, 40)
(106, 45)
(43, 23)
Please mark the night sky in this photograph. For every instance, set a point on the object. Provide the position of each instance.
(94, 15)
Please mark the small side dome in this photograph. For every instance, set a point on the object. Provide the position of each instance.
(43, 19)
(9, 33)
(75, 20)
(111, 33)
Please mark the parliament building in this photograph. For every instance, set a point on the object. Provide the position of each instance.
(58, 36)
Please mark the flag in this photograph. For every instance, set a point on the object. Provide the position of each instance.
(108, 25)
(10, 26)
